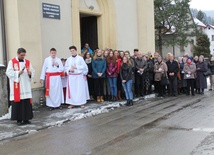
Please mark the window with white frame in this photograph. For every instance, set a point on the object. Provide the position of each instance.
(212, 38)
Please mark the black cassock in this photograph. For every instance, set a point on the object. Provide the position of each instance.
(21, 110)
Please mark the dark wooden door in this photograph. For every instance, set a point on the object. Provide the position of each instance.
(89, 31)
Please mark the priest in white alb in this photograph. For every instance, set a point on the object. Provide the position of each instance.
(51, 73)
(20, 73)
(77, 89)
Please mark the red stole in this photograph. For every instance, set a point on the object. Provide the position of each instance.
(16, 85)
(48, 75)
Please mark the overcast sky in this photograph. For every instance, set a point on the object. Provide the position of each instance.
(202, 4)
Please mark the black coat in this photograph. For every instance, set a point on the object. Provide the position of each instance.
(90, 70)
(201, 80)
(211, 66)
(149, 71)
(172, 68)
(140, 63)
(126, 72)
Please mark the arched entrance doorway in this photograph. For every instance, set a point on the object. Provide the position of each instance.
(106, 23)
(88, 31)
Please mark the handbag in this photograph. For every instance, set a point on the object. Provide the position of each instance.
(207, 73)
(188, 76)
(164, 80)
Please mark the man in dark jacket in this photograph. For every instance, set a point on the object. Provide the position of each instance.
(173, 69)
(140, 66)
(211, 67)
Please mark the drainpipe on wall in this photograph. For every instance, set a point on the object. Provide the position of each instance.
(3, 32)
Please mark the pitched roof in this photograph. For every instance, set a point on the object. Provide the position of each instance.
(199, 23)
(211, 26)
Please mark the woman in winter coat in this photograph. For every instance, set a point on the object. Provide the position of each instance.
(126, 78)
(189, 75)
(148, 74)
(211, 67)
(106, 83)
(112, 74)
(183, 81)
(99, 73)
(201, 80)
(88, 60)
(160, 69)
(119, 62)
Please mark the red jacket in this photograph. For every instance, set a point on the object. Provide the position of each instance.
(119, 63)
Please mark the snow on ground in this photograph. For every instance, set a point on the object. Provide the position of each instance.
(88, 111)
(6, 116)
(76, 114)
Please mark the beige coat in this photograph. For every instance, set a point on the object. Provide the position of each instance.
(160, 69)
(191, 68)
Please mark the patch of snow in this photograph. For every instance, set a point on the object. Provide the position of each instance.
(6, 135)
(63, 113)
(8, 115)
(100, 110)
(58, 123)
(28, 125)
(32, 131)
(203, 129)
(149, 96)
(136, 99)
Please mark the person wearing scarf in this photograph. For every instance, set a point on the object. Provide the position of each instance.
(160, 68)
(189, 75)
(88, 61)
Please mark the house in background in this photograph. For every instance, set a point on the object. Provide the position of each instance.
(208, 30)
(210, 33)
(179, 50)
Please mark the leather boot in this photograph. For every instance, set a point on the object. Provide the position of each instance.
(98, 99)
(112, 98)
(101, 99)
(131, 103)
(128, 103)
(119, 95)
(115, 98)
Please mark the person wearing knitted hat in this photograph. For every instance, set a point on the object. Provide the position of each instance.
(189, 75)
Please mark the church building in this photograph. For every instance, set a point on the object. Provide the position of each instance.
(38, 25)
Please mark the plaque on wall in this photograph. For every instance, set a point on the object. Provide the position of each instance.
(51, 11)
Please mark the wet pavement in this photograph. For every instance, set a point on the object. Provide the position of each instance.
(182, 125)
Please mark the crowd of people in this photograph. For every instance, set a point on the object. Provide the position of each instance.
(107, 75)
(125, 76)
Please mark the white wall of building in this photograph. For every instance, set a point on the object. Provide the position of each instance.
(178, 52)
(1, 45)
(57, 33)
(210, 31)
(127, 24)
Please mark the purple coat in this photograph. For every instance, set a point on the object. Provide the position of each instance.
(201, 80)
(112, 70)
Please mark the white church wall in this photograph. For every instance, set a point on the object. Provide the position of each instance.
(127, 29)
(57, 33)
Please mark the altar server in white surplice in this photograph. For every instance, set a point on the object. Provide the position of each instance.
(51, 72)
(77, 88)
